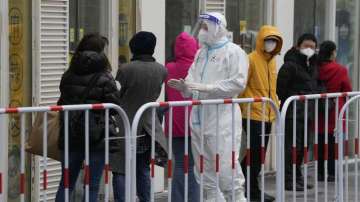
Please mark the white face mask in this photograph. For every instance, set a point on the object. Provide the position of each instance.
(203, 36)
(270, 46)
(309, 52)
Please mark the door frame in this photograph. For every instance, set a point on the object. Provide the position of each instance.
(4, 92)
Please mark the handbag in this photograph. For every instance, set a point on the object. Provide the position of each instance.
(34, 144)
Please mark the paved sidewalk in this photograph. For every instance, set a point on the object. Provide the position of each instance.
(271, 189)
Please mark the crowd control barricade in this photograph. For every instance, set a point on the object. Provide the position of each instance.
(321, 191)
(87, 109)
(347, 192)
(201, 103)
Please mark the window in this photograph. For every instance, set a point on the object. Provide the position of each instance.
(310, 17)
(347, 37)
(87, 16)
(245, 17)
(127, 28)
(181, 15)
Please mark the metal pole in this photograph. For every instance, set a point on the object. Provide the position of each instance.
(186, 155)
(262, 153)
(233, 152)
(106, 170)
(217, 157)
(248, 153)
(170, 153)
(294, 152)
(326, 147)
(45, 131)
(152, 191)
(22, 157)
(87, 157)
(66, 156)
(316, 151)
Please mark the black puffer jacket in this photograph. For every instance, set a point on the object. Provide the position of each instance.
(297, 77)
(74, 82)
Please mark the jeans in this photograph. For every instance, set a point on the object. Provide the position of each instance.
(178, 183)
(143, 183)
(97, 161)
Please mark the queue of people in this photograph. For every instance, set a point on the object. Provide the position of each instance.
(206, 65)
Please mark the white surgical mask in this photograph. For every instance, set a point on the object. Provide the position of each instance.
(270, 46)
(309, 52)
(203, 36)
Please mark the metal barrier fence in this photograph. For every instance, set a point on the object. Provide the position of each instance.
(234, 164)
(316, 98)
(344, 152)
(22, 111)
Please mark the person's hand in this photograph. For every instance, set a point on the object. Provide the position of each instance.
(200, 87)
(179, 85)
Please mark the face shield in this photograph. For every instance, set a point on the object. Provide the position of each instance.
(207, 29)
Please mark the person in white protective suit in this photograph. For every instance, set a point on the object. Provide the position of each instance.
(219, 71)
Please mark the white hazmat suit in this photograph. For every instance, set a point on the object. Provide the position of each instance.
(219, 71)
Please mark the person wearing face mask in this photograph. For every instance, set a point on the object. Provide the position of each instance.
(261, 82)
(219, 71)
(297, 76)
(336, 79)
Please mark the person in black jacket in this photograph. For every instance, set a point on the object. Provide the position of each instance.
(297, 76)
(87, 81)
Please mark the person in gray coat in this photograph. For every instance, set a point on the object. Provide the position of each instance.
(141, 81)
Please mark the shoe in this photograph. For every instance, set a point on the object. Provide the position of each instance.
(289, 187)
(256, 197)
(308, 186)
(331, 178)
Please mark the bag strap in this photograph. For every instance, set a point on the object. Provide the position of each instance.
(90, 86)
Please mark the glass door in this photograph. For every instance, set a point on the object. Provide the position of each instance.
(87, 16)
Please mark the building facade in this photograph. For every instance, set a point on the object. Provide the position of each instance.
(37, 39)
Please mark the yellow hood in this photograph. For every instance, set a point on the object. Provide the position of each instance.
(265, 32)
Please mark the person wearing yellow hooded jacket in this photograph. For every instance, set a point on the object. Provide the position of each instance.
(261, 83)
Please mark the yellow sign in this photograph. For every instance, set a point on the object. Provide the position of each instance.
(20, 85)
(243, 26)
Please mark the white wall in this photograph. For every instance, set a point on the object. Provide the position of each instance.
(4, 91)
(284, 20)
(152, 14)
(152, 19)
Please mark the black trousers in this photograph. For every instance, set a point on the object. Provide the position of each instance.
(331, 155)
(255, 148)
(299, 149)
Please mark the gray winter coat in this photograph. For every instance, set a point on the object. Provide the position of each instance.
(141, 82)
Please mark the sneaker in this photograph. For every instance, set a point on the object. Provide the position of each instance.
(256, 197)
(289, 186)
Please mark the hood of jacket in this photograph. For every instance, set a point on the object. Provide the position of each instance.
(88, 62)
(185, 47)
(294, 55)
(266, 32)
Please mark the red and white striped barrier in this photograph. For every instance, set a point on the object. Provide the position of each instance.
(328, 196)
(22, 111)
(202, 170)
(343, 152)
